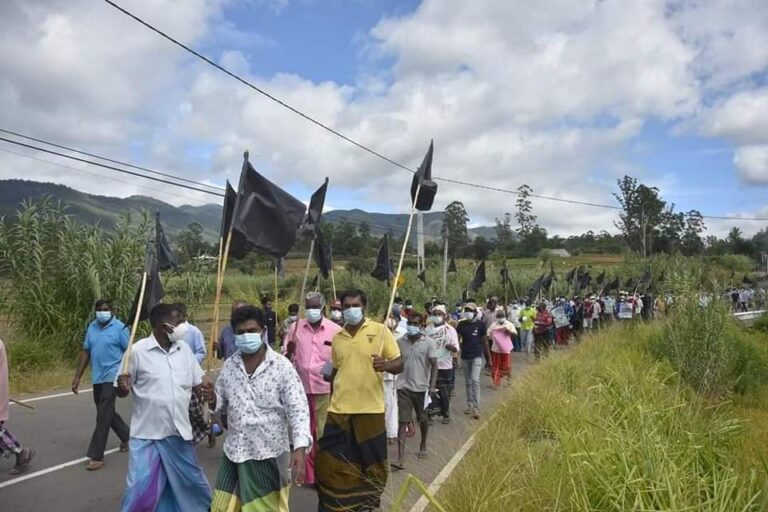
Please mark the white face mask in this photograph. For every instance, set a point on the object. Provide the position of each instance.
(469, 315)
(179, 332)
(335, 315)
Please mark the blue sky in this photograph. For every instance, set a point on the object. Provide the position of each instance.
(563, 95)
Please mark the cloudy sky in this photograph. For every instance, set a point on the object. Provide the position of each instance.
(563, 95)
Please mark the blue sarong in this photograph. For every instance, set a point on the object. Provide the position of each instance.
(165, 476)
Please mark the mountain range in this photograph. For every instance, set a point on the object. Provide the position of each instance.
(106, 210)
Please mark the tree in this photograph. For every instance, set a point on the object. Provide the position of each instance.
(190, 242)
(481, 248)
(694, 227)
(455, 221)
(504, 236)
(526, 220)
(642, 212)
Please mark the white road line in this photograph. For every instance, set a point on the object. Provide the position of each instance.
(440, 479)
(57, 395)
(45, 471)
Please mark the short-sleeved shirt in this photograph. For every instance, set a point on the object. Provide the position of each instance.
(444, 336)
(161, 384)
(472, 337)
(527, 316)
(416, 368)
(313, 351)
(106, 346)
(357, 387)
(226, 343)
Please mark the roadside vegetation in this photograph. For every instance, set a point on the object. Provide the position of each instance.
(664, 416)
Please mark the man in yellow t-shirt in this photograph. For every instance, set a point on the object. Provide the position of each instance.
(351, 464)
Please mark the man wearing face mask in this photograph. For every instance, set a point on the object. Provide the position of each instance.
(309, 347)
(336, 316)
(446, 344)
(270, 320)
(267, 410)
(163, 469)
(105, 342)
(471, 331)
(352, 467)
(418, 378)
(286, 326)
(191, 335)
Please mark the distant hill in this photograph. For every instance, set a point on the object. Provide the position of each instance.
(104, 210)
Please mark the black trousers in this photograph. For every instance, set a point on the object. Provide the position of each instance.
(444, 385)
(104, 397)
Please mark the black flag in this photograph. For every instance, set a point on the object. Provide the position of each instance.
(323, 255)
(165, 258)
(479, 279)
(423, 176)
(315, 211)
(504, 272)
(536, 287)
(614, 285)
(238, 246)
(267, 216)
(423, 276)
(383, 270)
(452, 266)
(630, 283)
(153, 292)
(570, 275)
(585, 281)
(601, 279)
(315, 281)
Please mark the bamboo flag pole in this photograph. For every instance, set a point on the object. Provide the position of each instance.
(333, 284)
(218, 277)
(217, 298)
(303, 287)
(18, 402)
(135, 326)
(399, 266)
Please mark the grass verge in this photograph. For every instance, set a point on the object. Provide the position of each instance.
(608, 426)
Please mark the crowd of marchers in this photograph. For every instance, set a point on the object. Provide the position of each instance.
(327, 399)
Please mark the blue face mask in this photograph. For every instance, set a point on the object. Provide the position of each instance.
(249, 342)
(103, 316)
(353, 316)
(413, 330)
(313, 315)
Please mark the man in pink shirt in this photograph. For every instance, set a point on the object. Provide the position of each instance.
(308, 344)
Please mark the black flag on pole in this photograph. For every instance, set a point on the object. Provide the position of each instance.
(315, 282)
(315, 211)
(423, 277)
(383, 271)
(536, 287)
(153, 292)
(267, 216)
(452, 266)
(585, 281)
(601, 279)
(323, 255)
(423, 176)
(479, 279)
(165, 258)
(238, 247)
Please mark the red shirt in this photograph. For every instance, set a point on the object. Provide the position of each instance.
(543, 322)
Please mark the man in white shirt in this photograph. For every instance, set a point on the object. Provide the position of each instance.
(162, 374)
(446, 344)
(267, 412)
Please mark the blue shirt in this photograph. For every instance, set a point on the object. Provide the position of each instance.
(196, 341)
(106, 345)
(472, 336)
(226, 343)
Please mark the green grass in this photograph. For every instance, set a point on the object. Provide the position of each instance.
(607, 426)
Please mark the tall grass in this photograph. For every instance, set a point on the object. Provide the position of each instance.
(607, 426)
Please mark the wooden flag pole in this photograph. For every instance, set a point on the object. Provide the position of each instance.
(333, 284)
(18, 402)
(218, 277)
(275, 281)
(135, 326)
(303, 288)
(399, 267)
(445, 263)
(217, 298)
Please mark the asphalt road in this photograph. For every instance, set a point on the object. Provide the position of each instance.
(60, 427)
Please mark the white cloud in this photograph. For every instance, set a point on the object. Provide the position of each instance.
(752, 163)
(548, 93)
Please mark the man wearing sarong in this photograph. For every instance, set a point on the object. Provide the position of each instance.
(308, 345)
(9, 445)
(163, 471)
(264, 400)
(352, 466)
(501, 333)
(105, 342)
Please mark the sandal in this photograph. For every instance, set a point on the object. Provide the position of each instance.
(22, 466)
(397, 466)
(94, 465)
(423, 455)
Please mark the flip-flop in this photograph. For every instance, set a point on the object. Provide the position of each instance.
(21, 468)
(397, 466)
(94, 465)
(423, 455)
